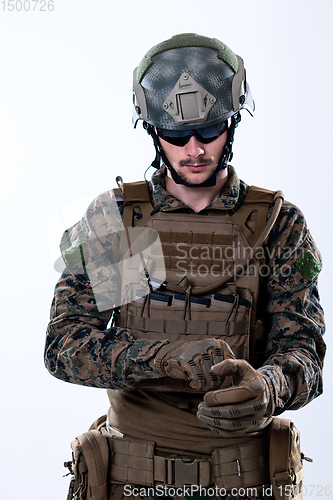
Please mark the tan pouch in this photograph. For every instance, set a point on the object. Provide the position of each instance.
(285, 460)
(89, 465)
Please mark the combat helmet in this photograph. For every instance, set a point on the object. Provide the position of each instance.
(190, 82)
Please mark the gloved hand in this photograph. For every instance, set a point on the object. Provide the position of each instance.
(193, 361)
(245, 407)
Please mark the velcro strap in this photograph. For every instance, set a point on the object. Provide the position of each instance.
(186, 327)
(256, 194)
(242, 465)
(135, 191)
(282, 479)
(132, 461)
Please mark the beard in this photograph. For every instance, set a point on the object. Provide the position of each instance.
(187, 162)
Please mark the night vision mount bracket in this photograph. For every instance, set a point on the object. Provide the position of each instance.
(188, 101)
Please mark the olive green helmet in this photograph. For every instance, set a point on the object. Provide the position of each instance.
(190, 81)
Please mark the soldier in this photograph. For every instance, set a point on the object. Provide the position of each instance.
(191, 298)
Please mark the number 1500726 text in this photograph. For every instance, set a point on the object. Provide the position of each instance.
(26, 5)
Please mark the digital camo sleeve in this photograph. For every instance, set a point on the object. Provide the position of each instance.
(81, 347)
(295, 349)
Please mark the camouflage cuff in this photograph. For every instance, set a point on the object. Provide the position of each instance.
(276, 383)
(269, 389)
(144, 350)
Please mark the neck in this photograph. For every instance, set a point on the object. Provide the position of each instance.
(196, 198)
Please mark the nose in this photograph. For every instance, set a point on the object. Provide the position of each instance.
(193, 148)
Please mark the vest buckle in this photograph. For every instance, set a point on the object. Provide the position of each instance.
(180, 472)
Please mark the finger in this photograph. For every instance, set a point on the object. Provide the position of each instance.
(226, 434)
(217, 355)
(230, 396)
(255, 411)
(231, 424)
(229, 352)
(219, 430)
(205, 363)
(235, 367)
(225, 368)
(212, 380)
(253, 390)
(231, 434)
(244, 410)
(198, 380)
(177, 369)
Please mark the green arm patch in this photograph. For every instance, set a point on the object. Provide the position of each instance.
(73, 255)
(308, 266)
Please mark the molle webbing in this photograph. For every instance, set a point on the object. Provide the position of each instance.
(257, 239)
(219, 259)
(210, 249)
(244, 465)
(174, 330)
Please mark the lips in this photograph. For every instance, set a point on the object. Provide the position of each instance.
(196, 168)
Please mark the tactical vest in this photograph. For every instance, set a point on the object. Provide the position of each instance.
(213, 266)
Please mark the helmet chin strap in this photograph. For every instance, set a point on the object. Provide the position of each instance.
(223, 163)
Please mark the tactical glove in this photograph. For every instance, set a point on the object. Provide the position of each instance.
(193, 361)
(245, 407)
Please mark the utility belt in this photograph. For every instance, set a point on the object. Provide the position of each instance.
(100, 459)
(135, 462)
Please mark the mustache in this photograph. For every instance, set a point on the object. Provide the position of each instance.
(196, 163)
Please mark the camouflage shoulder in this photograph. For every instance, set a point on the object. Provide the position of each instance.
(102, 219)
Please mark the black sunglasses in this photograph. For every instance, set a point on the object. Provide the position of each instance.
(204, 135)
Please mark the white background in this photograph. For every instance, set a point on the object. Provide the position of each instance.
(66, 132)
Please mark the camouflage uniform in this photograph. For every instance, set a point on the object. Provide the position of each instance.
(82, 348)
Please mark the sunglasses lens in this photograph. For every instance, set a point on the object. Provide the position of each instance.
(204, 135)
(175, 137)
(209, 134)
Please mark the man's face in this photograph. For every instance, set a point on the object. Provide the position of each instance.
(195, 162)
